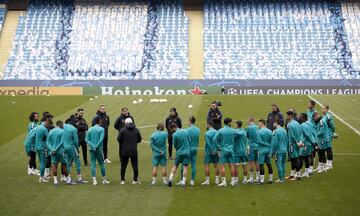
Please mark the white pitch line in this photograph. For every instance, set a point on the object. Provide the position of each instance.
(336, 116)
(348, 154)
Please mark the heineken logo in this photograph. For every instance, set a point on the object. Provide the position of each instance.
(156, 90)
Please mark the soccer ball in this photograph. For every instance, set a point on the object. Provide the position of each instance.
(190, 106)
(135, 102)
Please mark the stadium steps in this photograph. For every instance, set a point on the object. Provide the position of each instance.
(7, 36)
(193, 9)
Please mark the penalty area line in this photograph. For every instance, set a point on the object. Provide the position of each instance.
(336, 116)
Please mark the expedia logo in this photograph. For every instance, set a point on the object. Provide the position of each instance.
(29, 91)
(40, 91)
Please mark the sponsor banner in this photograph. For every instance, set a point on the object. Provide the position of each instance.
(180, 83)
(150, 90)
(292, 90)
(40, 91)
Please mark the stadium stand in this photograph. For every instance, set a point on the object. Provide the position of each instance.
(276, 40)
(149, 39)
(101, 40)
(2, 16)
(351, 13)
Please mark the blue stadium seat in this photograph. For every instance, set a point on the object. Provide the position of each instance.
(246, 39)
(101, 40)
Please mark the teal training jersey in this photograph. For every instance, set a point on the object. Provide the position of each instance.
(225, 138)
(251, 131)
(194, 134)
(70, 137)
(158, 143)
(264, 140)
(295, 137)
(240, 143)
(31, 126)
(41, 136)
(30, 140)
(53, 141)
(94, 138)
(210, 145)
(280, 141)
(181, 142)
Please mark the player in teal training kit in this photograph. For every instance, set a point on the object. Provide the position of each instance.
(71, 145)
(295, 137)
(30, 150)
(264, 142)
(240, 156)
(211, 155)
(158, 147)
(40, 145)
(224, 139)
(253, 152)
(308, 134)
(181, 142)
(94, 138)
(279, 149)
(194, 134)
(323, 139)
(56, 150)
(329, 118)
(31, 153)
(310, 112)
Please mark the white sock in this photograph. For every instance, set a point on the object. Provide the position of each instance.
(171, 176)
(94, 178)
(153, 180)
(47, 171)
(184, 180)
(257, 174)
(68, 179)
(207, 179)
(262, 178)
(224, 179)
(55, 180)
(251, 175)
(292, 173)
(310, 169)
(245, 178)
(79, 177)
(62, 176)
(271, 177)
(298, 174)
(330, 162)
(236, 179)
(216, 178)
(164, 180)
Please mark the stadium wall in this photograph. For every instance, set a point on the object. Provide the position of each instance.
(180, 87)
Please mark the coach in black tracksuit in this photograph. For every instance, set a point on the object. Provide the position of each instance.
(120, 121)
(105, 124)
(274, 114)
(215, 115)
(79, 122)
(172, 119)
(128, 139)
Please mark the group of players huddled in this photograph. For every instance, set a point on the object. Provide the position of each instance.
(297, 138)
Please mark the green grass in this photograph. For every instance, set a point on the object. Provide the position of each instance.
(18, 109)
(333, 193)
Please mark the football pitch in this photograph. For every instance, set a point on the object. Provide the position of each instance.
(336, 192)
